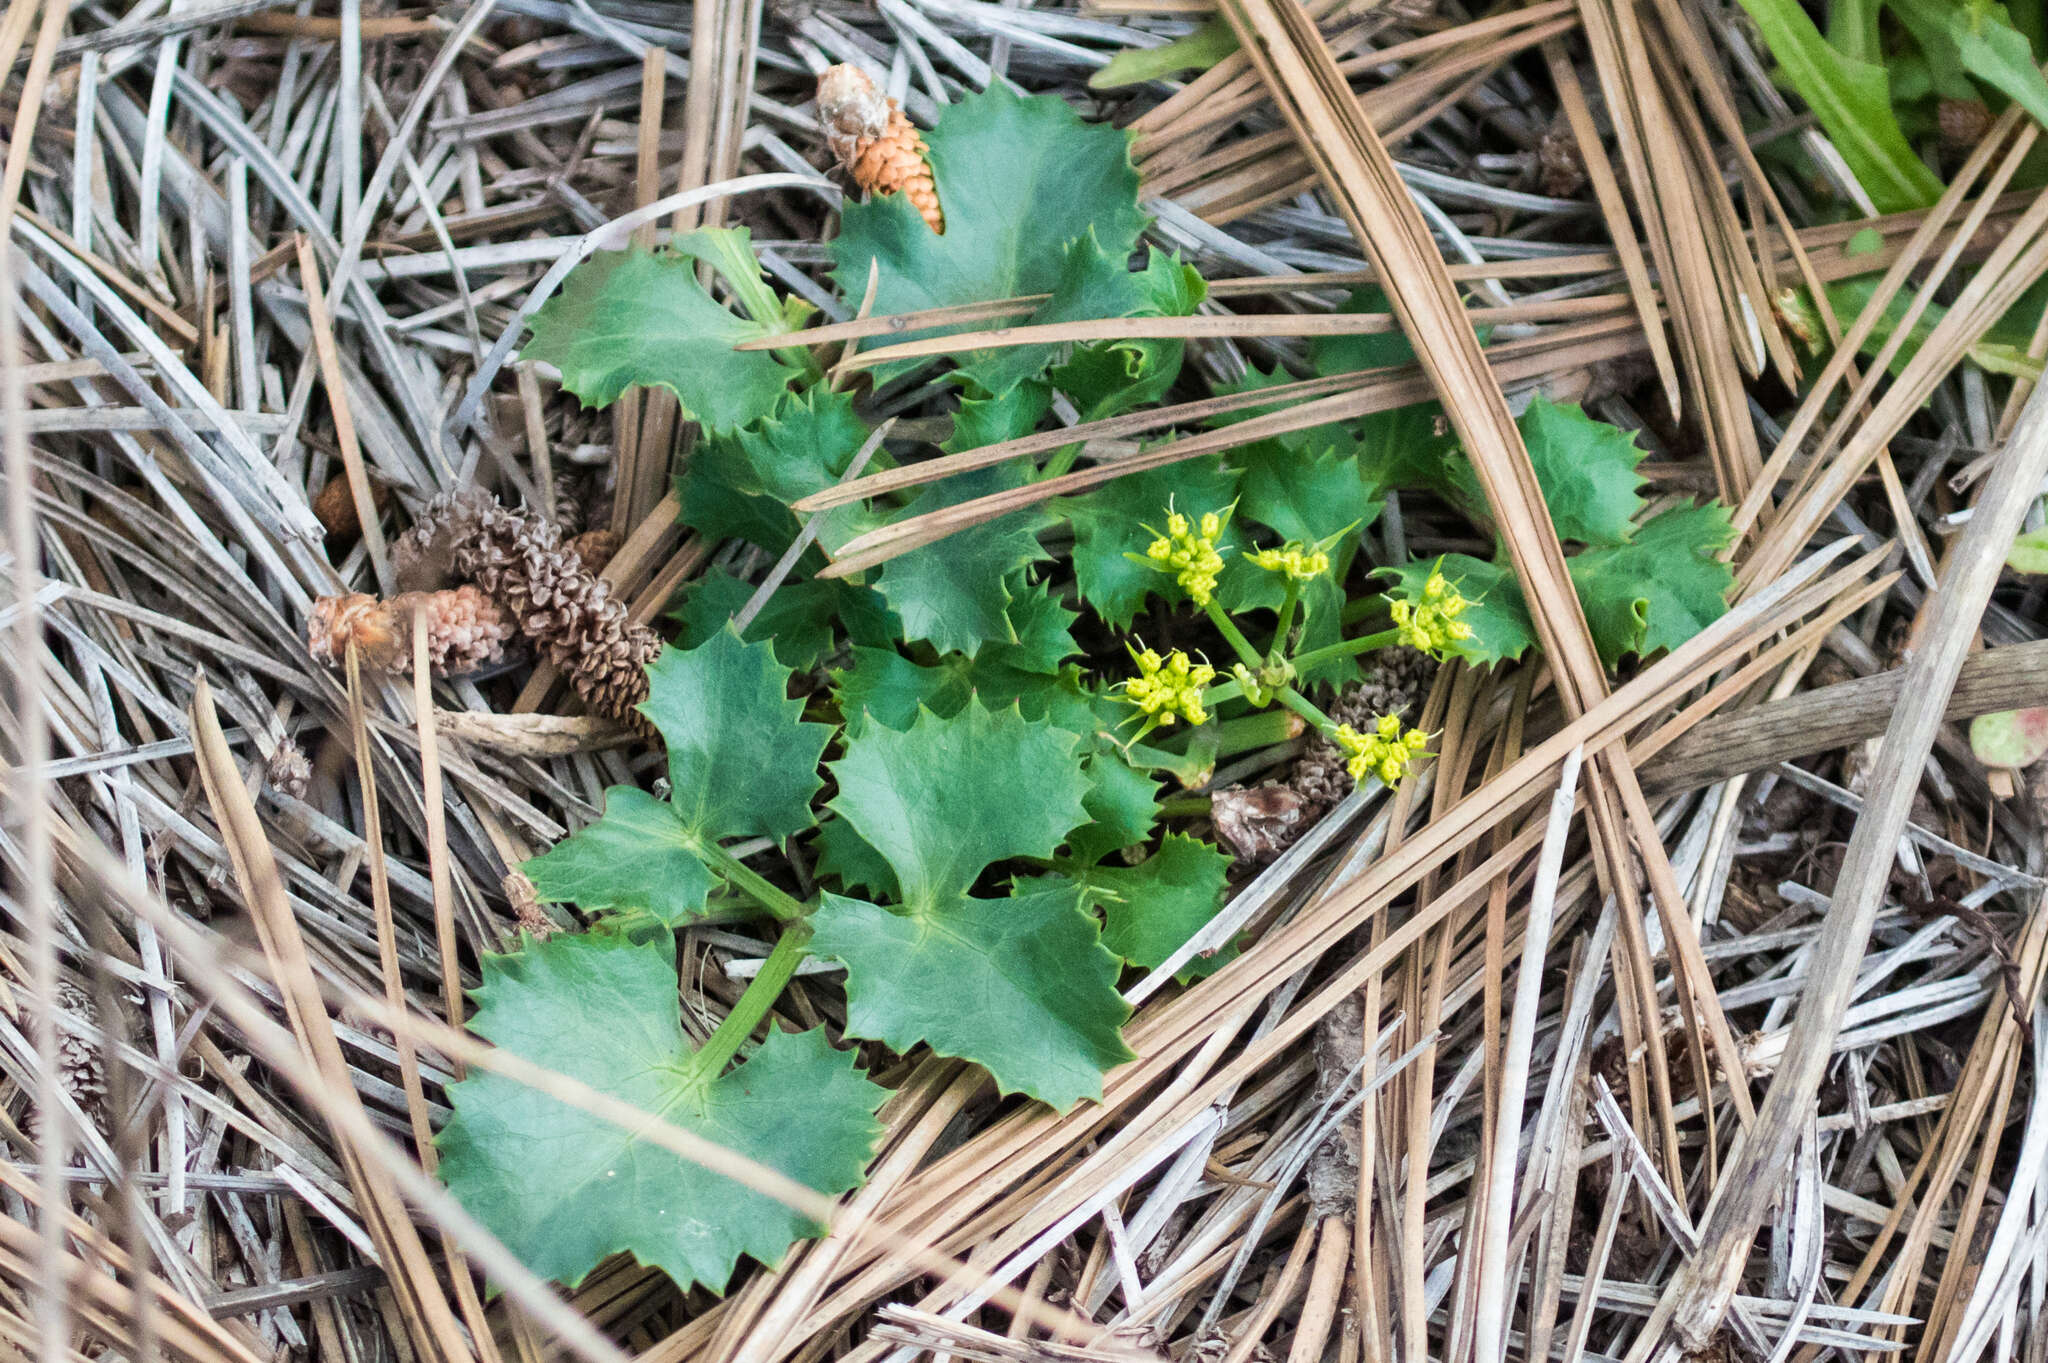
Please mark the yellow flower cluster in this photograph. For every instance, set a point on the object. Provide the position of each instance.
(1298, 562)
(1386, 752)
(1431, 625)
(1188, 551)
(1170, 688)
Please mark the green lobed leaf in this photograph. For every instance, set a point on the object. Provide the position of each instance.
(637, 856)
(1018, 179)
(730, 251)
(1375, 350)
(1042, 626)
(797, 621)
(992, 420)
(564, 1189)
(955, 593)
(1021, 986)
(948, 797)
(1852, 100)
(858, 868)
(1305, 495)
(1093, 284)
(740, 761)
(1116, 376)
(626, 318)
(1661, 588)
(740, 483)
(740, 764)
(1150, 909)
(1587, 470)
(1122, 804)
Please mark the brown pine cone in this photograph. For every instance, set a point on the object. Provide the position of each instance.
(565, 609)
(876, 141)
(424, 556)
(1559, 161)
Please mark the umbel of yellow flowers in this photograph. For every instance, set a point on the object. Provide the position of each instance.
(1188, 551)
(1170, 688)
(1295, 561)
(1386, 752)
(1431, 625)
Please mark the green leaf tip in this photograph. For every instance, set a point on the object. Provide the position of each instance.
(639, 318)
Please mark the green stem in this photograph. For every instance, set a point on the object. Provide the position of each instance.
(1062, 460)
(1364, 643)
(1262, 729)
(760, 995)
(1234, 636)
(1286, 620)
(1301, 705)
(1183, 806)
(748, 881)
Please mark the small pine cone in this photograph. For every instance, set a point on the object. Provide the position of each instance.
(594, 547)
(1562, 166)
(289, 770)
(1963, 122)
(80, 1068)
(876, 141)
(565, 609)
(465, 629)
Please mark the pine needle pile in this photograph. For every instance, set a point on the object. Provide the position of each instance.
(1638, 956)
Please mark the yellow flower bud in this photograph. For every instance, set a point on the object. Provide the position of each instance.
(1386, 752)
(1431, 625)
(1193, 559)
(1168, 690)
